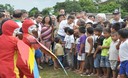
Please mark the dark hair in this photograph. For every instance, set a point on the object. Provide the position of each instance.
(37, 15)
(2, 14)
(114, 33)
(50, 22)
(2, 22)
(71, 17)
(70, 31)
(82, 29)
(90, 23)
(66, 29)
(107, 30)
(98, 28)
(123, 33)
(116, 26)
(90, 16)
(59, 17)
(17, 13)
(90, 30)
(57, 39)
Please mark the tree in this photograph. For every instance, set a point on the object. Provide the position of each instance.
(108, 7)
(7, 7)
(34, 11)
(47, 11)
(124, 7)
(88, 5)
(69, 6)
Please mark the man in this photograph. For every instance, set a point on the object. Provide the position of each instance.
(116, 17)
(65, 23)
(85, 17)
(2, 16)
(17, 17)
(62, 11)
(38, 20)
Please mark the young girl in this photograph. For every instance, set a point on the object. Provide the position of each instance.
(81, 49)
(58, 52)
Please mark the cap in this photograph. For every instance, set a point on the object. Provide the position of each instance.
(116, 11)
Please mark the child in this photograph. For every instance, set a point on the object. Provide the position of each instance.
(58, 52)
(104, 62)
(123, 53)
(69, 44)
(89, 50)
(113, 53)
(97, 54)
(115, 27)
(81, 49)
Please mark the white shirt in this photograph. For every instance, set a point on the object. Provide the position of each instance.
(39, 28)
(69, 39)
(123, 51)
(88, 20)
(114, 21)
(62, 25)
(113, 52)
(87, 46)
(19, 24)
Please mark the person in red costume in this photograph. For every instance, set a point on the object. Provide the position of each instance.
(28, 27)
(8, 50)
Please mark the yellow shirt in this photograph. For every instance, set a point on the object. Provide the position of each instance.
(59, 49)
(106, 42)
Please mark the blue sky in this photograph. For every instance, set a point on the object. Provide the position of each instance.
(28, 4)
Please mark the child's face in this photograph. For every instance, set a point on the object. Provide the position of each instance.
(120, 37)
(88, 25)
(114, 37)
(106, 34)
(112, 30)
(97, 33)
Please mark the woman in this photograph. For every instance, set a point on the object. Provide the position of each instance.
(47, 33)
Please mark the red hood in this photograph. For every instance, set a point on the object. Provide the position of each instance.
(8, 27)
(26, 24)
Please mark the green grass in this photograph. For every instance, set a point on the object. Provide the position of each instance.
(49, 72)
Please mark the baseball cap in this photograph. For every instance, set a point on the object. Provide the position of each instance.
(116, 11)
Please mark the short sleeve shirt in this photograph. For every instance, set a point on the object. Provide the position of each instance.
(106, 42)
(82, 40)
(69, 39)
(59, 49)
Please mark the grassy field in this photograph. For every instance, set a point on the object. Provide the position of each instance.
(49, 72)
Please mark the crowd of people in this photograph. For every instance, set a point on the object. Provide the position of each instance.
(85, 44)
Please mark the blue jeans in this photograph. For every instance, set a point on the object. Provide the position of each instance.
(104, 62)
(97, 61)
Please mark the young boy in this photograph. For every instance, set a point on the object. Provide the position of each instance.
(69, 44)
(123, 53)
(115, 27)
(104, 62)
(58, 52)
(97, 54)
(81, 49)
(113, 53)
(89, 50)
